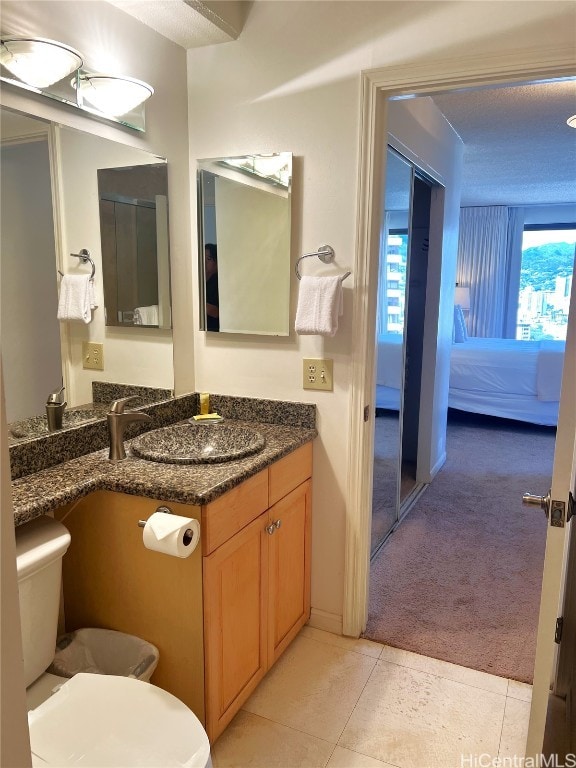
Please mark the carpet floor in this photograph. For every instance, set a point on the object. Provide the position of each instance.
(460, 578)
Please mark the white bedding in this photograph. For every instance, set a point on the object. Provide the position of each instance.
(495, 365)
(549, 372)
(499, 377)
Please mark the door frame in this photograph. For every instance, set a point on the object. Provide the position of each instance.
(377, 86)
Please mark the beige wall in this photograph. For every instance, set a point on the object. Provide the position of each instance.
(291, 82)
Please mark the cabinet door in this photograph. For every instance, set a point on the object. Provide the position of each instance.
(289, 569)
(235, 622)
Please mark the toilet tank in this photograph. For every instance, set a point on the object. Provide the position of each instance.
(40, 546)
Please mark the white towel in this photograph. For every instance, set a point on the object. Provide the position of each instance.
(320, 303)
(92, 294)
(146, 315)
(77, 298)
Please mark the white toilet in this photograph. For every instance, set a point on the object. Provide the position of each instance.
(90, 720)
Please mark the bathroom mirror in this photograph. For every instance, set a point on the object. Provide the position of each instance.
(50, 209)
(244, 222)
(133, 203)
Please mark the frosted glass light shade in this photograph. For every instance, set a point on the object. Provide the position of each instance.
(111, 94)
(572, 121)
(38, 62)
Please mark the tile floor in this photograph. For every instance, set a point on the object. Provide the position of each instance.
(335, 702)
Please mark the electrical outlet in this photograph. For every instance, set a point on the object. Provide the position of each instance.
(93, 356)
(317, 374)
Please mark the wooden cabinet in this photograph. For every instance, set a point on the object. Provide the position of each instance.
(288, 569)
(256, 586)
(235, 611)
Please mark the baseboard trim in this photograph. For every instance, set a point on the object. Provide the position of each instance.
(438, 466)
(329, 622)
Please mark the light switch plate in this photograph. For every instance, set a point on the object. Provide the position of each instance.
(317, 373)
(93, 356)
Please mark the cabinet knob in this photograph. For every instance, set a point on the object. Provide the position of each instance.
(277, 523)
(270, 528)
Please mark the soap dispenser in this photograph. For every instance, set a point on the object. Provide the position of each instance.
(55, 410)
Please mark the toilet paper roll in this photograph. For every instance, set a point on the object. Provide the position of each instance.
(171, 534)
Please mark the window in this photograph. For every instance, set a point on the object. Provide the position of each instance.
(545, 282)
(393, 283)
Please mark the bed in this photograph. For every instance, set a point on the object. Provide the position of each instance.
(508, 378)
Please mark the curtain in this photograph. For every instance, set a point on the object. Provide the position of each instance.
(487, 262)
(514, 255)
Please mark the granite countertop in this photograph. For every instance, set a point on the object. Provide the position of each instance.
(196, 484)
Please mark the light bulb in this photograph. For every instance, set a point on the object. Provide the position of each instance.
(38, 62)
(111, 94)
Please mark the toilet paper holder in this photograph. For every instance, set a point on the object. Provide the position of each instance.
(188, 533)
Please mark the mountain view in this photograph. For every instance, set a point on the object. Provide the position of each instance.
(545, 286)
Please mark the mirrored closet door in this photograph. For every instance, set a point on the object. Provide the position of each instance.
(400, 325)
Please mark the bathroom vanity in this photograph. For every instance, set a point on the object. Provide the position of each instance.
(221, 617)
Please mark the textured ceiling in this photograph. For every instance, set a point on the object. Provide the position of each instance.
(175, 20)
(190, 23)
(518, 148)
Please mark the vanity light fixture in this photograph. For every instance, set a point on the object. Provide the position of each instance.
(37, 61)
(46, 66)
(572, 121)
(112, 94)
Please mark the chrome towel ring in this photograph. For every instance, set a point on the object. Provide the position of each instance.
(325, 253)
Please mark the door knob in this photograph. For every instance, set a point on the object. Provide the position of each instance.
(530, 499)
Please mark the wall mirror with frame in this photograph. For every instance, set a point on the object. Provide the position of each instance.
(244, 223)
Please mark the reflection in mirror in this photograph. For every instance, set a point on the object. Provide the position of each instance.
(400, 326)
(244, 220)
(134, 235)
(390, 351)
(49, 184)
(29, 294)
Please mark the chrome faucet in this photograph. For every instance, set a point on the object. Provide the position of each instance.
(55, 407)
(118, 420)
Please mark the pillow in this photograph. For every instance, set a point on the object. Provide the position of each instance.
(460, 332)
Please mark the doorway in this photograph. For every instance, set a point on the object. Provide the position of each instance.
(378, 86)
(385, 622)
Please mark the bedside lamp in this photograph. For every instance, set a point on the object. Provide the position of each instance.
(462, 297)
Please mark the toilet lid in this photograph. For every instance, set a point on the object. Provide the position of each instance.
(104, 720)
